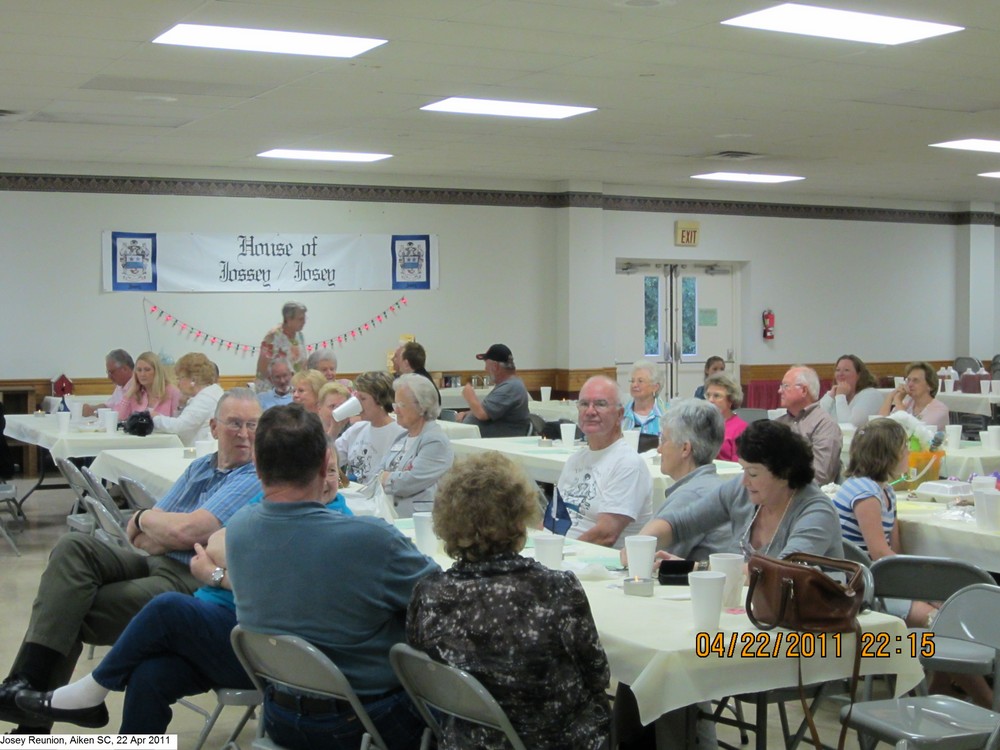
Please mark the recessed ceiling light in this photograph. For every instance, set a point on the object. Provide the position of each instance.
(263, 40)
(793, 18)
(289, 153)
(746, 177)
(506, 109)
(971, 144)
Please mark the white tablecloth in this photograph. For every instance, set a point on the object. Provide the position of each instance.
(553, 411)
(545, 464)
(971, 458)
(931, 529)
(969, 403)
(44, 432)
(456, 430)
(451, 398)
(650, 645)
(157, 469)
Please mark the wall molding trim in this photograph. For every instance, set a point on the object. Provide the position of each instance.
(126, 185)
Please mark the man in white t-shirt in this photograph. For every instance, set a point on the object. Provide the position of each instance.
(603, 494)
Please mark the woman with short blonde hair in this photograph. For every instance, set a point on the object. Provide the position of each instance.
(197, 381)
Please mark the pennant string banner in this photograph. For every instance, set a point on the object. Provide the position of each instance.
(200, 335)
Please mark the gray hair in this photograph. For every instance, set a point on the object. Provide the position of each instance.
(733, 389)
(121, 358)
(290, 309)
(807, 377)
(692, 420)
(655, 373)
(321, 355)
(424, 393)
(280, 361)
(240, 394)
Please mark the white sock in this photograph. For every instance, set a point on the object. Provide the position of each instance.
(83, 693)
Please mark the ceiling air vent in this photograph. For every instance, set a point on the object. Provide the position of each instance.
(734, 156)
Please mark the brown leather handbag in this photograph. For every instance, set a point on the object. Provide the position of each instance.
(796, 594)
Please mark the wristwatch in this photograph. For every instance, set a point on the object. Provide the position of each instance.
(217, 575)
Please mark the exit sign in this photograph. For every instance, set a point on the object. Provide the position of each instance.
(686, 233)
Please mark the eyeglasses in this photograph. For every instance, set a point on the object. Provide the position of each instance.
(600, 403)
(639, 381)
(236, 425)
(789, 386)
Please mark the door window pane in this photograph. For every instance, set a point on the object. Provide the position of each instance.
(652, 315)
(689, 315)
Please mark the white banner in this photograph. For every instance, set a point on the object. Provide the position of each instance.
(180, 262)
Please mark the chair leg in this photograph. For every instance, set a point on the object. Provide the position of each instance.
(209, 723)
(231, 742)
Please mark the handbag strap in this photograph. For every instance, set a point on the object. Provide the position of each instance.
(786, 590)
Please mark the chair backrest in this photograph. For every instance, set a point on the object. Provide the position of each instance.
(751, 415)
(854, 553)
(294, 663)
(924, 578)
(100, 493)
(537, 424)
(972, 615)
(995, 367)
(74, 479)
(108, 529)
(137, 496)
(450, 690)
(967, 363)
(448, 415)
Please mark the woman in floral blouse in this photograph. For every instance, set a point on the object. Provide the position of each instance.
(524, 631)
(283, 342)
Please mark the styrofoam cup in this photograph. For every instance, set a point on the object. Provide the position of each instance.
(76, 410)
(348, 409)
(996, 387)
(732, 565)
(984, 386)
(62, 419)
(985, 482)
(987, 509)
(707, 587)
(948, 385)
(897, 381)
(423, 531)
(568, 432)
(641, 549)
(953, 436)
(110, 421)
(632, 438)
(984, 439)
(546, 391)
(549, 550)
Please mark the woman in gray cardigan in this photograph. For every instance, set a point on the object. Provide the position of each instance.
(774, 509)
(422, 454)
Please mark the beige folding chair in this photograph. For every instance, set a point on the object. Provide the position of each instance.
(294, 663)
(450, 690)
(249, 698)
(100, 493)
(137, 496)
(79, 519)
(8, 499)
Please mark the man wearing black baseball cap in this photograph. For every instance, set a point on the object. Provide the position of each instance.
(504, 411)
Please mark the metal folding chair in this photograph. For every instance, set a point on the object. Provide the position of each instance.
(79, 518)
(294, 663)
(137, 496)
(100, 493)
(248, 698)
(450, 690)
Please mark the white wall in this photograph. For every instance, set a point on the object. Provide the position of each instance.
(885, 291)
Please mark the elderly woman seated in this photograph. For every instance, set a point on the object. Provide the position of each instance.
(524, 631)
(422, 454)
(726, 394)
(645, 410)
(325, 361)
(196, 380)
(305, 389)
(773, 509)
(692, 433)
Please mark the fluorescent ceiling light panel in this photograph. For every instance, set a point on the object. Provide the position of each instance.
(506, 109)
(971, 144)
(263, 40)
(746, 177)
(995, 175)
(289, 153)
(793, 18)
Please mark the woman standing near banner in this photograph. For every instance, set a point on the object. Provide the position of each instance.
(283, 342)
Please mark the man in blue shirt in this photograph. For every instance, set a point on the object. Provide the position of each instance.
(281, 380)
(90, 591)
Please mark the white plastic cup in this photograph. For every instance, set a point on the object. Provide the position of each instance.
(641, 549)
(76, 410)
(732, 565)
(62, 419)
(549, 550)
(953, 436)
(423, 532)
(983, 483)
(546, 391)
(996, 387)
(994, 437)
(110, 421)
(204, 447)
(987, 509)
(948, 385)
(984, 439)
(348, 409)
(568, 432)
(898, 381)
(984, 387)
(707, 587)
(632, 439)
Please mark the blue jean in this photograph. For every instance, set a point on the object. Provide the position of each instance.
(394, 716)
(177, 645)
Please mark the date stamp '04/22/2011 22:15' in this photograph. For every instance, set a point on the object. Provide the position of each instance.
(773, 644)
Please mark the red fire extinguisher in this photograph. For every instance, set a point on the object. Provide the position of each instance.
(768, 320)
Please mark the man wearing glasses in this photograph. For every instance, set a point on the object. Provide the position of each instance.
(799, 392)
(604, 491)
(118, 364)
(90, 590)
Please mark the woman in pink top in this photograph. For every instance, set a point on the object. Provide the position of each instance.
(149, 390)
(726, 394)
(917, 397)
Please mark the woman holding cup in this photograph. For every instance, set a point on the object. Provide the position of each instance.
(916, 396)
(364, 444)
(545, 667)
